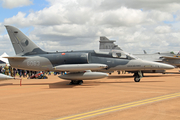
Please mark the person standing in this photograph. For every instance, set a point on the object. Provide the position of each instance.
(6, 70)
(23, 73)
(12, 72)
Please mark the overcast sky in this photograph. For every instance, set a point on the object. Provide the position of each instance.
(60, 25)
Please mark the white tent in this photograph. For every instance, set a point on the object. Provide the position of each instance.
(4, 59)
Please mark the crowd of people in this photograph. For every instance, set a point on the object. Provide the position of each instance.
(8, 70)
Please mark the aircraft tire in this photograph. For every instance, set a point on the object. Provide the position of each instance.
(76, 82)
(137, 78)
(80, 82)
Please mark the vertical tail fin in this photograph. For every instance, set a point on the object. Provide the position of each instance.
(21, 43)
(106, 44)
(144, 51)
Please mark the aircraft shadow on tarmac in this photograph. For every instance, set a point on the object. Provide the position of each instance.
(32, 84)
(65, 84)
(6, 84)
(88, 84)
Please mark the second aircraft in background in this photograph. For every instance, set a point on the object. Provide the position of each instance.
(168, 57)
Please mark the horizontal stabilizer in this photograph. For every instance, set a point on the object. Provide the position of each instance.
(157, 60)
(166, 57)
(16, 57)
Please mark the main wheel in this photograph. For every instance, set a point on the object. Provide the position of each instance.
(73, 82)
(80, 82)
(76, 82)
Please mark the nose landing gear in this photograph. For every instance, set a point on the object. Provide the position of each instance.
(137, 76)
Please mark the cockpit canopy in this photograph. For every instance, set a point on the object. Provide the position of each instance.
(117, 54)
(121, 54)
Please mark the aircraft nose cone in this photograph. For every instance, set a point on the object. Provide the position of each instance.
(159, 66)
(105, 75)
(103, 66)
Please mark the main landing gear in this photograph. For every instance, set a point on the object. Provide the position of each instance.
(138, 76)
(76, 82)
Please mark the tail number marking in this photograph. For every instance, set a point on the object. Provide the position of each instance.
(33, 63)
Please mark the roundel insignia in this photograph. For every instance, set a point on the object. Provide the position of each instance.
(63, 53)
(24, 42)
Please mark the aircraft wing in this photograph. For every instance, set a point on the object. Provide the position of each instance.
(79, 67)
(157, 60)
(169, 57)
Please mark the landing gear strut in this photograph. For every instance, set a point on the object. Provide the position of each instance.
(138, 76)
(76, 82)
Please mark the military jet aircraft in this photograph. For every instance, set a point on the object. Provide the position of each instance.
(168, 57)
(80, 65)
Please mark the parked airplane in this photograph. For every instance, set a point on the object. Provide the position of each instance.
(79, 64)
(168, 57)
(5, 77)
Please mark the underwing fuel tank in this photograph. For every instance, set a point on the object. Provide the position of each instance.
(5, 77)
(87, 75)
(80, 67)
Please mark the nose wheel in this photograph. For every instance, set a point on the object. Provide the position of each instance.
(76, 82)
(137, 76)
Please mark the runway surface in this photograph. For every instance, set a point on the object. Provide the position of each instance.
(120, 107)
(157, 96)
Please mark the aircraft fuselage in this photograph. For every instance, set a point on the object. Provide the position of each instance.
(47, 62)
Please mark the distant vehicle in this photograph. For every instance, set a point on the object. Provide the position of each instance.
(38, 76)
(78, 64)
